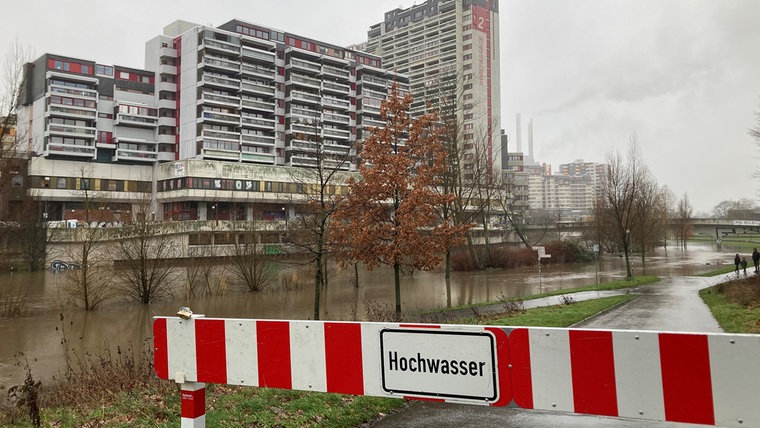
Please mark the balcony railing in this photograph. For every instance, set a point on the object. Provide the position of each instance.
(70, 130)
(59, 110)
(134, 120)
(257, 88)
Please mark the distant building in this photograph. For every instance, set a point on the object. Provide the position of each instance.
(438, 42)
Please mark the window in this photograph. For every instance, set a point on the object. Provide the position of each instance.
(60, 182)
(123, 75)
(467, 47)
(84, 184)
(17, 181)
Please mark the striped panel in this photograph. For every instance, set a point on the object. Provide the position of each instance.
(504, 387)
(160, 349)
(210, 351)
(637, 375)
(735, 373)
(593, 372)
(181, 351)
(307, 356)
(522, 379)
(550, 369)
(686, 381)
(242, 352)
(273, 349)
(343, 355)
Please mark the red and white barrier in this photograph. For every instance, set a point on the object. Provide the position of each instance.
(711, 379)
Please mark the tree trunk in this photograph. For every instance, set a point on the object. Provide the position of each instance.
(397, 279)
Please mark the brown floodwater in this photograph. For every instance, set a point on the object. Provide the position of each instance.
(39, 333)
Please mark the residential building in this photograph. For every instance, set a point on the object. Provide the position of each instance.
(239, 94)
(438, 43)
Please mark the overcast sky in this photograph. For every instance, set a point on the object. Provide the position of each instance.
(683, 75)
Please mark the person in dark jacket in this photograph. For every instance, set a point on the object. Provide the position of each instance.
(756, 259)
(737, 262)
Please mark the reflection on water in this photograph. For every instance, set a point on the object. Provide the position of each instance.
(38, 334)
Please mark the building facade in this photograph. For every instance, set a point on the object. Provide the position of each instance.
(208, 99)
(440, 43)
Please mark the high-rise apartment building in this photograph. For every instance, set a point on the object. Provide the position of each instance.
(247, 93)
(228, 110)
(438, 42)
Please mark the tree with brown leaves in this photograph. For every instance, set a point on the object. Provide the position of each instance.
(391, 214)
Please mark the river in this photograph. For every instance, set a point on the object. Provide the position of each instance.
(39, 332)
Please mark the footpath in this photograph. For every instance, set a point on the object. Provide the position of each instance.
(673, 304)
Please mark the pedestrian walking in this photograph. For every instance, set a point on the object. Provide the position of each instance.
(737, 262)
(756, 259)
(744, 265)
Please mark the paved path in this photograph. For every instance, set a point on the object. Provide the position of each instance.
(669, 305)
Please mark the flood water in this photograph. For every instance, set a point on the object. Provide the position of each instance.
(39, 332)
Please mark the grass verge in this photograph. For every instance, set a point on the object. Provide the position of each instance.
(735, 304)
(554, 316)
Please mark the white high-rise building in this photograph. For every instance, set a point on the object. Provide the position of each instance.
(440, 40)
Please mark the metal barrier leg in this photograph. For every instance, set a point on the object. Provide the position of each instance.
(193, 405)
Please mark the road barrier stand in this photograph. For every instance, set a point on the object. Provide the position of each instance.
(698, 378)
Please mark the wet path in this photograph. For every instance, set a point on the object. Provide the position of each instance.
(672, 304)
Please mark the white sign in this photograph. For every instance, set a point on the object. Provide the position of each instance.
(439, 363)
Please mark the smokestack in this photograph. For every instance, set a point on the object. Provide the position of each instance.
(530, 138)
(518, 133)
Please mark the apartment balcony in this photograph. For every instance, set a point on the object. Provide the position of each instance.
(257, 105)
(303, 161)
(227, 83)
(217, 46)
(221, 135)
(373, 81)
(335, 72)
(166, 156)
(167, 104)
(266, 158)
(257, 88)
(368, 121)
(257, 123)
(74, 150)
(251, 139)
(369, 93)
(167, 86)
(220, 64)
(217, 117)
(136, 150)
(167, 52)
(167, 121)
(167, 69)
(258, 54)
(258, 71)
(58, 110)
(336, 103)
(135, 120)
(336, 118)
(336, 88)
(304, 97)
(336, 133)
(220, 100)
(88, 94)
(304, 66)
(167, 139)
(301, 80)
(70, 131)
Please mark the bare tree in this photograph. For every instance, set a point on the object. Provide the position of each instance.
(652, 216)
(143, 254)
(684, 220)
(89, 285)
(249, 263)
(320, 187)
(10, 91)
(620, 192)
(203, 276)
(741, 209)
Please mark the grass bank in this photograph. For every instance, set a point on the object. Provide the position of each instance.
(735, 304)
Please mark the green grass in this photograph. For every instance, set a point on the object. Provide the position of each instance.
(719, 271)
(616, 284)
(732, 316)
(557, 316)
